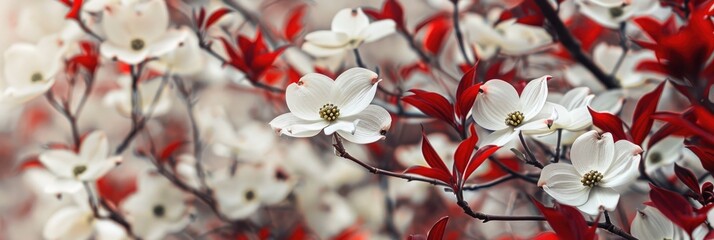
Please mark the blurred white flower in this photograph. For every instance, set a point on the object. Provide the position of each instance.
(598, 166)
(317, 102)
(650, 223)
(350, 28)
(251, 142)
(40, 18)
(326, 212)
(499, 108)
(663, 153)
(508, 37)
(187, 58)
(242, 193)
(610, 13)
(121, 99)
(157, 207)
(99, 5)
(30, 69)
(77, 222)
(606, 57)
(91, 163)
(138, 31)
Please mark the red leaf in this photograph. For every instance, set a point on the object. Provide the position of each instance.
(642, 120)
(437, 231)
(170, 149)
(295, 24)
(677, 209)
(466, 101)
(436, 32)
(430, 155)
(688, 178)
(481, 155)
(392, 9)
(705, 155)
(114, 189)
(201, 17)
(608, 123)
(566, 221)
(263, 61)
(430, 173)
(75, 10)
(215, 16)
(432, 104)
(546, 236)
(463, 153)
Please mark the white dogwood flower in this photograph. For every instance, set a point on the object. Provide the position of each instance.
(30, 70)
(628, 74)
(487, 35)
(499, 108)
(598, 166)
(90, 164)
(610, 13)
(138, 31)
(350, 28)
(187, 58)
(650, 223)
(121, 99)
(77, 222)
(316, 102)
(569, 114)
(157, 207)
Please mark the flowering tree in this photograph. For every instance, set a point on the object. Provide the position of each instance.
(392, 119)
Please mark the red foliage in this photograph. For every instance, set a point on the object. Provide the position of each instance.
(677, 209)
(294, 24)
(391, 9)
(567, 221)
(252, 56)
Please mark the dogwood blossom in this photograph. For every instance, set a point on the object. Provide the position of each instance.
(187, 58)
(30, 70)
(138, 31)
(249, 143)
(650, 223)
(350, 29)
(316, 102)
(499, 108)
(599, 165)
(157, 207)
(89, 164)
(488, 35)
(570, 114)
(612, 13)
(663, 153)
(77, 222)
(121, 99)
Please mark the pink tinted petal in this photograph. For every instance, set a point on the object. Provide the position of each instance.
(350, 21)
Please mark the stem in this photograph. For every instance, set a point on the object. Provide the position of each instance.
(186, 95)
(625, 49)
(513, 173)
(557, 146)
(358, 58)
(459, 35)
(476, 187)
(531, 157)
(572, 45)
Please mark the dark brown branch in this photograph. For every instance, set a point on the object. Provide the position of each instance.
(459, 35)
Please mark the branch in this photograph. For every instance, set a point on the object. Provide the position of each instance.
(187, 97)
(459, 35)
(572, 45)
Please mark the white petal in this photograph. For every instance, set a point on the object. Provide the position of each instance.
(109, 230)
(97, 169)
(493, 105)
(69, 223)
(624, 168)
(350, 21)
(167, 42)
(576, 97)
(500, 137)
(608, 3)
(149, 21)
(580, 119)
(650, 223)
(291, 125)
(378, 30)
(114, 24)
(124, 54)
(321, 51)
(307, 96)
(374, 121)
(95, 147)
(63, 185)
(61, 162)
(599, 196)
(327, 39)
(592, 151)
(533, 97)
(664, 152)
(21, 95)
(562, 182)
(343, 126)
(354, 90)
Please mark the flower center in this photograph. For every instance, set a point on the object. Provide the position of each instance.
(591, 178)
(655, 157)
(159, 211)
(329, 112)
(616, 12)
(249, 195)
(36, 77)
(515, 119)
(137, 44)
(79, 170)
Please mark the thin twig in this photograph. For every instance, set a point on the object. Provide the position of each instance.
(531, 157)
(557, 146)
(459, 35)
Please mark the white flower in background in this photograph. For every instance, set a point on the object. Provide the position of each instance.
(157, 207)
(316, 102)
(507, 37)
(99, 5)
(242, 193)
(91, 163)
(187, 58)
(77, 222)
(350, 28)
(612, 13)
(40, 18)
(120, 99)
(598, 166)
(664, 153)
(650, 223)
(570, 114)
(138, 31)
(251, 142)
(186, 170)
(499, 108)
(326, 212)
(30, 70)
(606, 57)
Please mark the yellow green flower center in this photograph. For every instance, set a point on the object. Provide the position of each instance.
(159, 211)
(591, 178)
(329, 112)
(79, 170)
(137, 44)
(616, 12)
(515, 119)
(37, 77)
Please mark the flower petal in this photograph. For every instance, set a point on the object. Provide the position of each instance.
(354, 90)
(374, 122)
(327, 39)
(293, 126)
(650, 223)
(493, 105)
(350, 21)
(576, 97)
(499, 138)
(69, 223)
(97, 169)
(562, 182)
(377, 30)
(343, 126)
(307, 96)
(63, 185)
(600, 196)
(95, 147)
(592, 151)
(624, 168)
(533, 97)
(321, 51)
(124, 54)
(61, 162)
(148, 20)
(167, 42)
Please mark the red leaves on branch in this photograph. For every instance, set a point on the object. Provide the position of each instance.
(567, 221)
(677, 209)
(435, 233)
(608, 122)
(690, 180)
(705, 155)
(212, 19)
(294, 24)
(391, 9)
(169, 149)
(252, 56)
(75, 6)
(437, 29)
(115, 189)
(88, 59)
